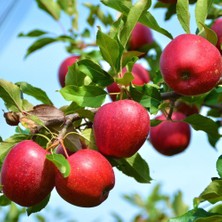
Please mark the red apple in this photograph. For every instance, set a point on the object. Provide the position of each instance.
(27, 176)
(63, 69)
(121, 128)
(186, 108)
(141, 37)
(141, 77)
(217, 27)
(170, 137)
(90, 180)
(191, 65)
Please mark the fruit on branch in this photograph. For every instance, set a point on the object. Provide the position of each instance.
(27, 176)
(121, 128)
(141, 77)
(186, 108)
(217, 27)
(90, 179)
(170, 137)
(141, 37)
(63, 69)
(191, 65)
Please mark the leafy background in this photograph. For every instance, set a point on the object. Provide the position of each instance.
(187, 172)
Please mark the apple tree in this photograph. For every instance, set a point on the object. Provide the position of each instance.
(75, 147)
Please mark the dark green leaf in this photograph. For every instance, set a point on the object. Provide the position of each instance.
(110, 48)
(38, 207)
(135, 167)
(95, 72)
(33, 33)
(183, 14)
(51, 7)
(35, 92)
(197, 215)
(199, 122)
(61, 163)
(4, 201)
(11, 95)
(84, 96)
(219, 166)
(38, 44)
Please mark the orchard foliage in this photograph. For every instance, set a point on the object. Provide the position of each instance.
(71, 126)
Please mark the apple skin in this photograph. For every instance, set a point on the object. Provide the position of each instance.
(63, 68)
(186, 109)
(170, 138)
(27, 176)
(191, 65)
(90, 180)
(217, 27)
(140, 37)
(121, 128)
(141, 77)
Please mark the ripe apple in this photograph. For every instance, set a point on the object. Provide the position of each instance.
(90, 180)
(63, 69)
(191, 65)
(170, 137)
(217, 27)
(27, 176)
(121, 128)
(186, 108)
(141, 77)
(141, 37)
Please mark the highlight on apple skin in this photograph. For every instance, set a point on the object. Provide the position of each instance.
(120, 128)
(170, 137)
(191, 65)
(90, 180)
(63, 68)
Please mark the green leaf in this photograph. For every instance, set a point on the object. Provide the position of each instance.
(35, 92)
(199, 122)
(84, 96)
(133, 16)
(183, 15)
(219, 166)
(51, 7)
(33, 33)
(38, 207)
(126, 79)
(11, 95)
(38, 44)
(178, 205)
(201, 12)
(69, 7)
(135, 167)
(111, 49)
(4, 201)
(95, 72)
(60, 162)
(208, 34)
(212, 193)
(197, 215)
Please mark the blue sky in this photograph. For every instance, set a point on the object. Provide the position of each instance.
(190, 171)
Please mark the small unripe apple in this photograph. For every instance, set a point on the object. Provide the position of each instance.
(191, 65)
(90, 179)
(141, 37)
(170, 137)
(27, 176)
(141, 77)
(63, 68)
(186, 109)
(217, 27)
(121, 128)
